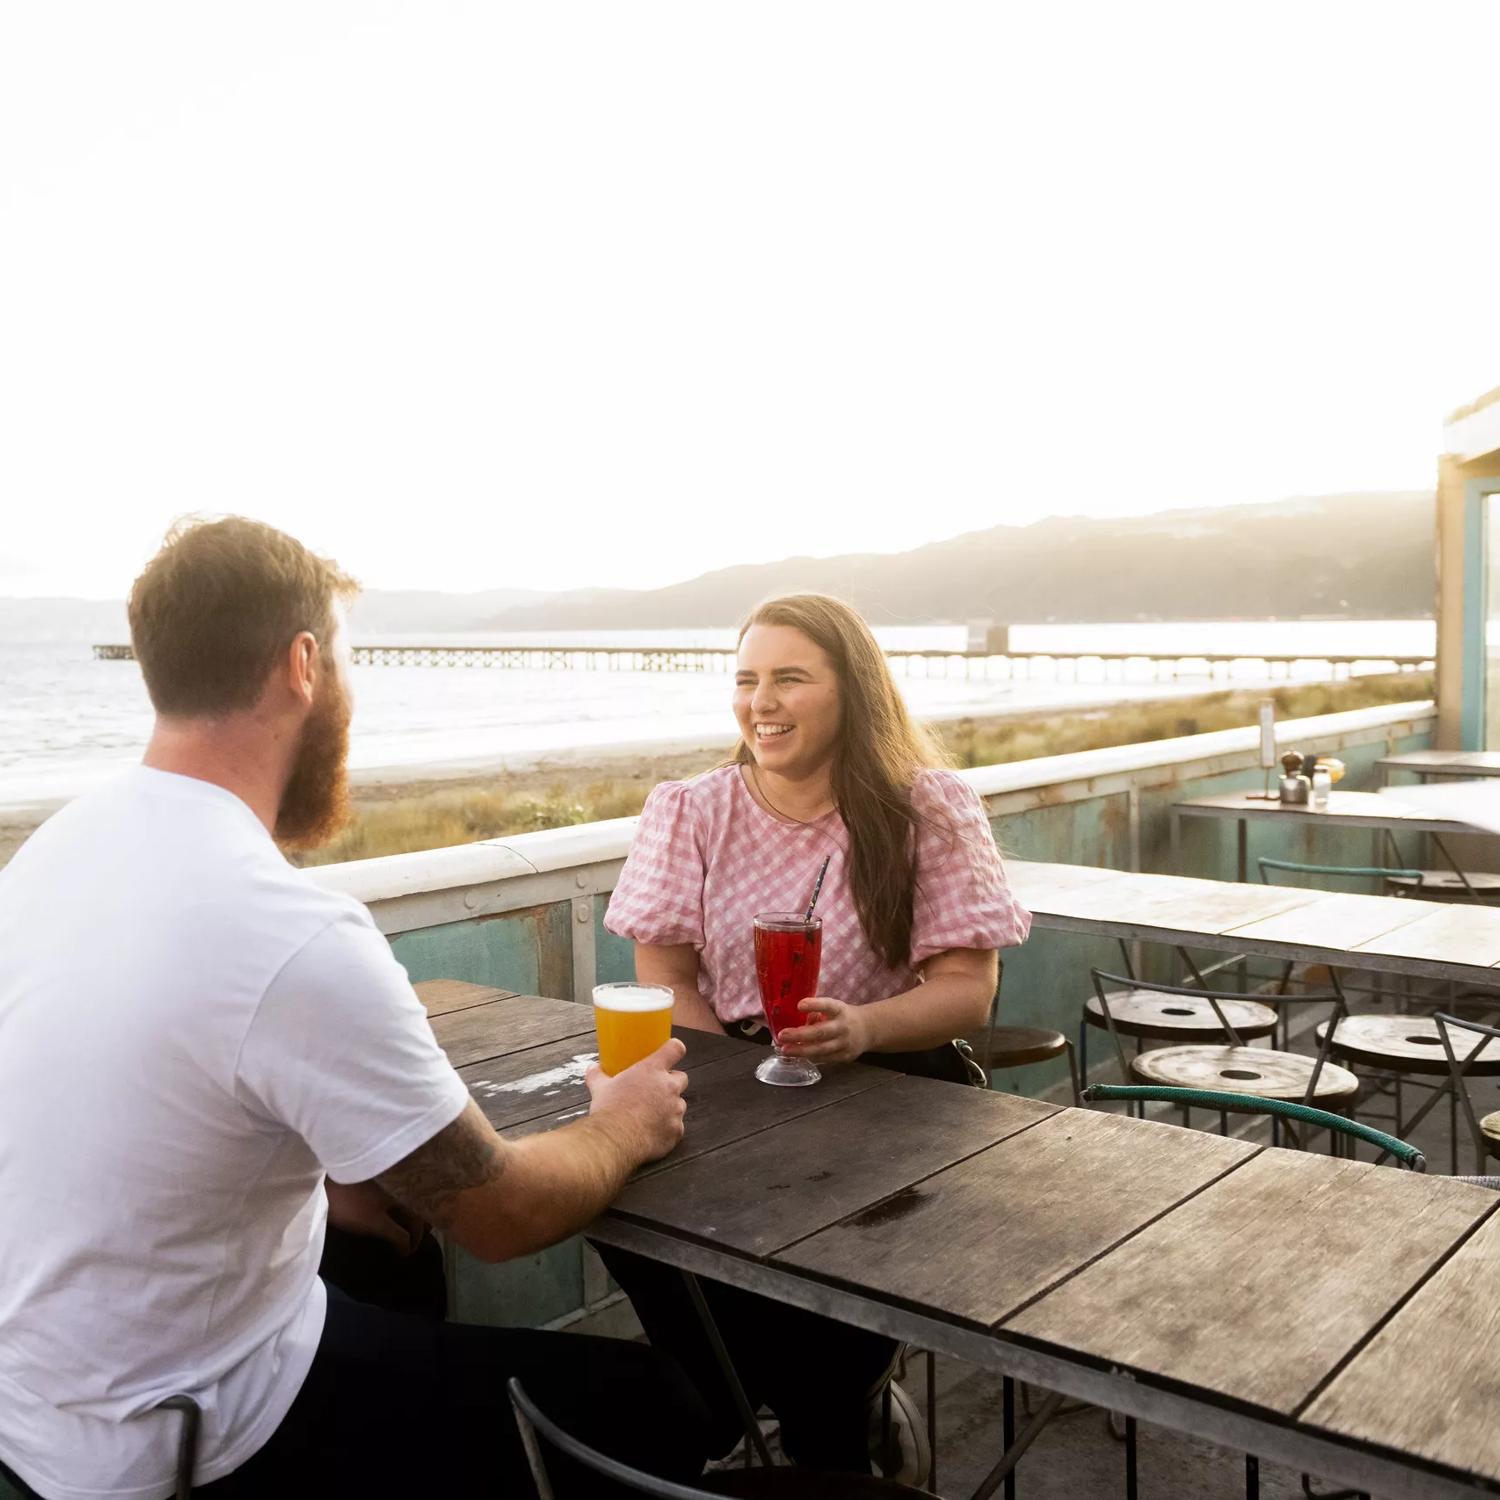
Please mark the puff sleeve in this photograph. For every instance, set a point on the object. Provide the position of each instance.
(963, 899)
(659, 897)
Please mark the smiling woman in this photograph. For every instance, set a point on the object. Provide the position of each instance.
(829, 766)
(831, 771)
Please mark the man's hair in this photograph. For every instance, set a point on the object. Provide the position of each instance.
(219, 604)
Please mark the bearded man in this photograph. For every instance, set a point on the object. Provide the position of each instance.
(204, 1056)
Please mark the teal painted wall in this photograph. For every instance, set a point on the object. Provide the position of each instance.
(527, 951)
(614, 957)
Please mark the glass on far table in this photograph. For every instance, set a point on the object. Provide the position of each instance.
(788, 948)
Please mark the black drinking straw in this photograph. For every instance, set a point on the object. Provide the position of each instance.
(817, 887)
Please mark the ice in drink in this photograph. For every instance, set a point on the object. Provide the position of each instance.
(632, 1021)
(787, 953)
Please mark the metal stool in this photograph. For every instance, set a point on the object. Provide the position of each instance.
(1286, 1077)
(1017, 1046)
(1413, 1047)
(1145, 1015)
(750, 1484)
(1263, 1072)
(1449, 885)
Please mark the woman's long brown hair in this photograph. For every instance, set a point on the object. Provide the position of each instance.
(876, 757)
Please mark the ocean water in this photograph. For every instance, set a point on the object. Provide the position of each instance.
(68, 721)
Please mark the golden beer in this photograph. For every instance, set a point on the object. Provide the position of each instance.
(632, 1021)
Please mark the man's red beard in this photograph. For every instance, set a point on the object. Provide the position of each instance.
(315, 805)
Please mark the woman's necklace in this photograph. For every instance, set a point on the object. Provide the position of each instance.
(760, 792)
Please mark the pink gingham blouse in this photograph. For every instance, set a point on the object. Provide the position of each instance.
(707, 857)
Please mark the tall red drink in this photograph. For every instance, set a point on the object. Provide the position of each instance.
(787, 951)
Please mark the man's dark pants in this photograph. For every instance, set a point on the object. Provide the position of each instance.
(400, 1403)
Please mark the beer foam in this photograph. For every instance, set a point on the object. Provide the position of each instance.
(632, 997)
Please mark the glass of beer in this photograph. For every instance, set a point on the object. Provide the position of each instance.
(788, 947)
(632, 1021)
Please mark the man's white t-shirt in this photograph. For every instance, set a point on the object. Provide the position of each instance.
(191, 1034)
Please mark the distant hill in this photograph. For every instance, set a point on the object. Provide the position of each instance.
(385, 612)
(35, 620)
(1365, 555)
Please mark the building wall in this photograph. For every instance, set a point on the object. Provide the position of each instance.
(1472, 450)
(1454, 475)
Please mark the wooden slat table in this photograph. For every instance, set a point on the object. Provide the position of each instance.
(1332, 1315)
(1467, 765)
(1375, 934)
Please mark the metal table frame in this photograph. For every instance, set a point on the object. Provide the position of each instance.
(1255, 808)
(1114, 1389)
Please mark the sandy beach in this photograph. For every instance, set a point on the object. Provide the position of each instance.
(455, 801)
(550, 772)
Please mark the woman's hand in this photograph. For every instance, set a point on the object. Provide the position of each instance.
(841, 1034)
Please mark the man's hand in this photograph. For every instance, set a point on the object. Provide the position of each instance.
(499, 1199)
(366, 1208)
(644, 1104)
(842, 1035)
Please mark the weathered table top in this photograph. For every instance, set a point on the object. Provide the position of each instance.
(1331, 1314)
(1462, 763)
(1348, 809)
(1386, 934)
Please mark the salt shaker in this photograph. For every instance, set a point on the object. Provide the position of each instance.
(1322, 784)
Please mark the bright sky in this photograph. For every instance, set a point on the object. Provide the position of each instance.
(551, 295)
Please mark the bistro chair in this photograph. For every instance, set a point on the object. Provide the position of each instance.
(750, 1484)
(1395, 880)
(1483, 1131)
(1399, 880)
(1424, 885)
(1413, 1049)
(1145, 1015)
(1230, 1102)
(1452, 884)
(187, 1452)
(1200, 1070)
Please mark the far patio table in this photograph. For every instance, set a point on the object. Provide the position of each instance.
(1292, 924)
(1384, 815)
(1468, 765)
(1125, 1262)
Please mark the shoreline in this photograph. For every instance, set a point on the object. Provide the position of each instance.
(610, 780)
(413, 778)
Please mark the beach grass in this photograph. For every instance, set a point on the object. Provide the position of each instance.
(462, 813)
(995, 742)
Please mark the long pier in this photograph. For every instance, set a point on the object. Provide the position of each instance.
(1011, 666)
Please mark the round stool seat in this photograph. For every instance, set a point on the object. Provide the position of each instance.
(1015, 1046)
(1407, 1044)
(1489, 1127)
(1444, 885)
(1245, 1070)
(1177, 1018)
